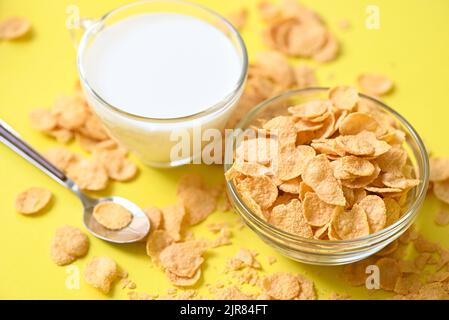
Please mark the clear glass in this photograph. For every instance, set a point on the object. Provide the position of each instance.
(327, 252)
(149, 138)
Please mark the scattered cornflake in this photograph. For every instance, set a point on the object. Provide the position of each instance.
(100, 272)
(297, 31)
(422, 260)
(157, 241)
(442, 217)
(61, 158)
(223, 239)
(243, 258)
(355, 273)
(307, 288)
(198, 199)
(14, 28)
(155, 216)
(112, 215)
(389, 273)
(33, 200)
(375, 84)
(424, 245)
(407, 284)
(88, 174)
(118, 167)
(271, 260)
(439, 169)
(441, 190)
(182, 262)
(173, 217)
(247, 276)
(68, 244)
(281, 286)
(217, 227)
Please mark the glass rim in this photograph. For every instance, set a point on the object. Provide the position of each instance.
(412, 209)
(211, 109)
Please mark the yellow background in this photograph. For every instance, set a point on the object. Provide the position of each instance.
(411, 47)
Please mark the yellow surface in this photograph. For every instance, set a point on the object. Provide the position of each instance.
(411, 47)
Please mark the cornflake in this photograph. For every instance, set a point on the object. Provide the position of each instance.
(375, 84)
(389, 273)
(88, 174)
(14, 28)
(173, 217)
(100, 272)
(155, 216)
(198, 200)
(112, 216)
(182, 262)
(68, 244)
(33, 200)
(281, 286)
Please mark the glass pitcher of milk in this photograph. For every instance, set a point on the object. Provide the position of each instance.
(158, 70)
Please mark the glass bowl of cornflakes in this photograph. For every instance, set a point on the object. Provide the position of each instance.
(326, 176)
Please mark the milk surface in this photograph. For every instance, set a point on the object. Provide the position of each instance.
(162, 65)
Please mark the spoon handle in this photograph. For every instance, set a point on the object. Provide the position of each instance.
(11, 139)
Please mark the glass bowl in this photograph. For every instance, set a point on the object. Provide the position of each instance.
(329, 252)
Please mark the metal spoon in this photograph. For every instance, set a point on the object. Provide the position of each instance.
(135, 231)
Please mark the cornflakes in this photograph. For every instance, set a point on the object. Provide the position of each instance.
(342, 158)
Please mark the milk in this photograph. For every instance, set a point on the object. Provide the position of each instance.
(160, 66)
